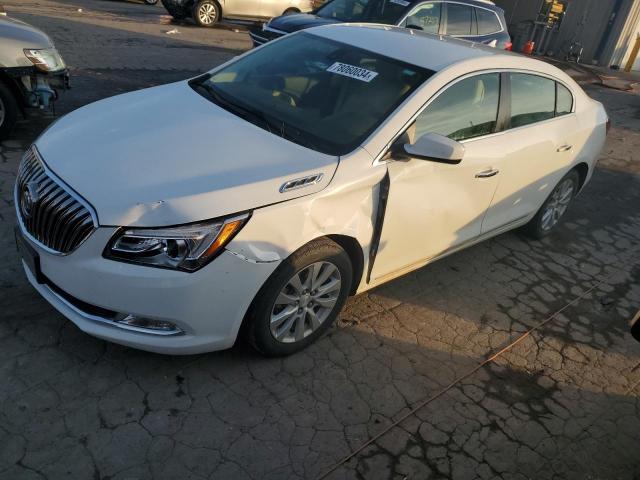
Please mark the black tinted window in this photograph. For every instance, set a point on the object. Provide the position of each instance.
(458, 19)
(564, 100)
(487, 22)
(467, 109)
(425, 16)
(375, 11)
(532, 99)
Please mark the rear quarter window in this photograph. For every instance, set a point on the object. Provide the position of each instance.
(564, 100)
(487, 22)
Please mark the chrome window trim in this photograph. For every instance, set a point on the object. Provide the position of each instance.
(49, 173)
(378, 158)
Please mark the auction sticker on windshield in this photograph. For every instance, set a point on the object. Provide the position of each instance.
(352, 71)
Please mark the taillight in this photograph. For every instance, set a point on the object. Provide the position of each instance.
(508, 46)
(608, 125)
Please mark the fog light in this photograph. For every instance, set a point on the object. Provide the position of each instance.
(160, 326)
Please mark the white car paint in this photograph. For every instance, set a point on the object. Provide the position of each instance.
(123, 158)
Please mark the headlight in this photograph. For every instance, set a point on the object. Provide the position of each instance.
(47, 60)
(187, 248)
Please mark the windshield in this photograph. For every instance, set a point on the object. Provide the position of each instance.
(372, 11)
(313, 91)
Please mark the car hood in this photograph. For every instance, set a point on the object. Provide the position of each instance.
(166, 155)
(17, 31)
(300, 21)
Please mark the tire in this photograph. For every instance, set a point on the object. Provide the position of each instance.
(206, 13)
(290, 11)
(555, 206)
(8, 111)
(294, 322)
(151, 2)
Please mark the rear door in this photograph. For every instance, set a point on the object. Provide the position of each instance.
(539, 145)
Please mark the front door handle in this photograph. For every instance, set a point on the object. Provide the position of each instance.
(564, 148)
(487, 173)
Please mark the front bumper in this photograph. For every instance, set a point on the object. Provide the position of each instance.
(208, 305)
(260, 36)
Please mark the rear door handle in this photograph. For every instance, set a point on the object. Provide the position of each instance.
(564, 148)
(487, 173)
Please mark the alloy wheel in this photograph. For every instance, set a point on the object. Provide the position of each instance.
(207, 14)
(557, 205)
(305, 302)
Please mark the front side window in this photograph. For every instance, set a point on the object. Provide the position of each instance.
(426, 17)
(532, 99)
(323, 94)
(467, 109)
(372, 11)
(487, 22)
(458, 19)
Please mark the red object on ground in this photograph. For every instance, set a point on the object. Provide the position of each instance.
(528, 48)
(508, 46)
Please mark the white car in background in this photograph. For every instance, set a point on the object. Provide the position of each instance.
(315, 167)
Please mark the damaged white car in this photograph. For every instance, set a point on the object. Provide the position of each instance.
(315, 167)
(31, 72)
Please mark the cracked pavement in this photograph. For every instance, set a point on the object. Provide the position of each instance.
(563, 402)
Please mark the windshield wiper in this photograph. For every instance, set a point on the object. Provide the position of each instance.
(274, 125)
(247, 113)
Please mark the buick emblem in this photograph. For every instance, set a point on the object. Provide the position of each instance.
(28, 198)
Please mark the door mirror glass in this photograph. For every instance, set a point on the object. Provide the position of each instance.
(435, 147)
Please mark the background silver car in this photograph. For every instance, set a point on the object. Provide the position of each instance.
(207, 12)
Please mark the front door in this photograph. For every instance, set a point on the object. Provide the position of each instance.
(433, 207)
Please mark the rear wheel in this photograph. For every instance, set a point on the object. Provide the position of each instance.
(554, 208)
(301, 299)
(290, 11)
(8, 111)
(206, 13)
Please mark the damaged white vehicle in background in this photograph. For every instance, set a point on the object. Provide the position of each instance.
(31, 72)
(315, 167)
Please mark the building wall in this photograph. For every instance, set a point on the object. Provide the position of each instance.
(585, 21)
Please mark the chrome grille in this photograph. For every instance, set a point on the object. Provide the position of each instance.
(49, 212)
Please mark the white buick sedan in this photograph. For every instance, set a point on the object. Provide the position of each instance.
(257, 197)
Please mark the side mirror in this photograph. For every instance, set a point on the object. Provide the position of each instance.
(437, 148)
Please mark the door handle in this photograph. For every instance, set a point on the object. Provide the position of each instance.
(564, 148)
(487, 173)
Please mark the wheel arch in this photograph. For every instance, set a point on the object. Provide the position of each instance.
(12, 85)
(354, 250)
(583, 171)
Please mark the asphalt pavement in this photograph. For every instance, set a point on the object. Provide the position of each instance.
(509, 360)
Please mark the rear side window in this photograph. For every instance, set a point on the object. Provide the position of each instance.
(458, 19)
(467, 109)
(425, 16)
(564, 100)
(533, 99)
(487, 22)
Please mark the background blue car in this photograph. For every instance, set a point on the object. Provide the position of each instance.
(477, 20)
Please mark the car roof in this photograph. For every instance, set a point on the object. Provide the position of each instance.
(433, 52)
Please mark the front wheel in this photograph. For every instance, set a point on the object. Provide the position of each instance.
(206, 13)
(301, 299)
(8, 111)
(554, 208)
